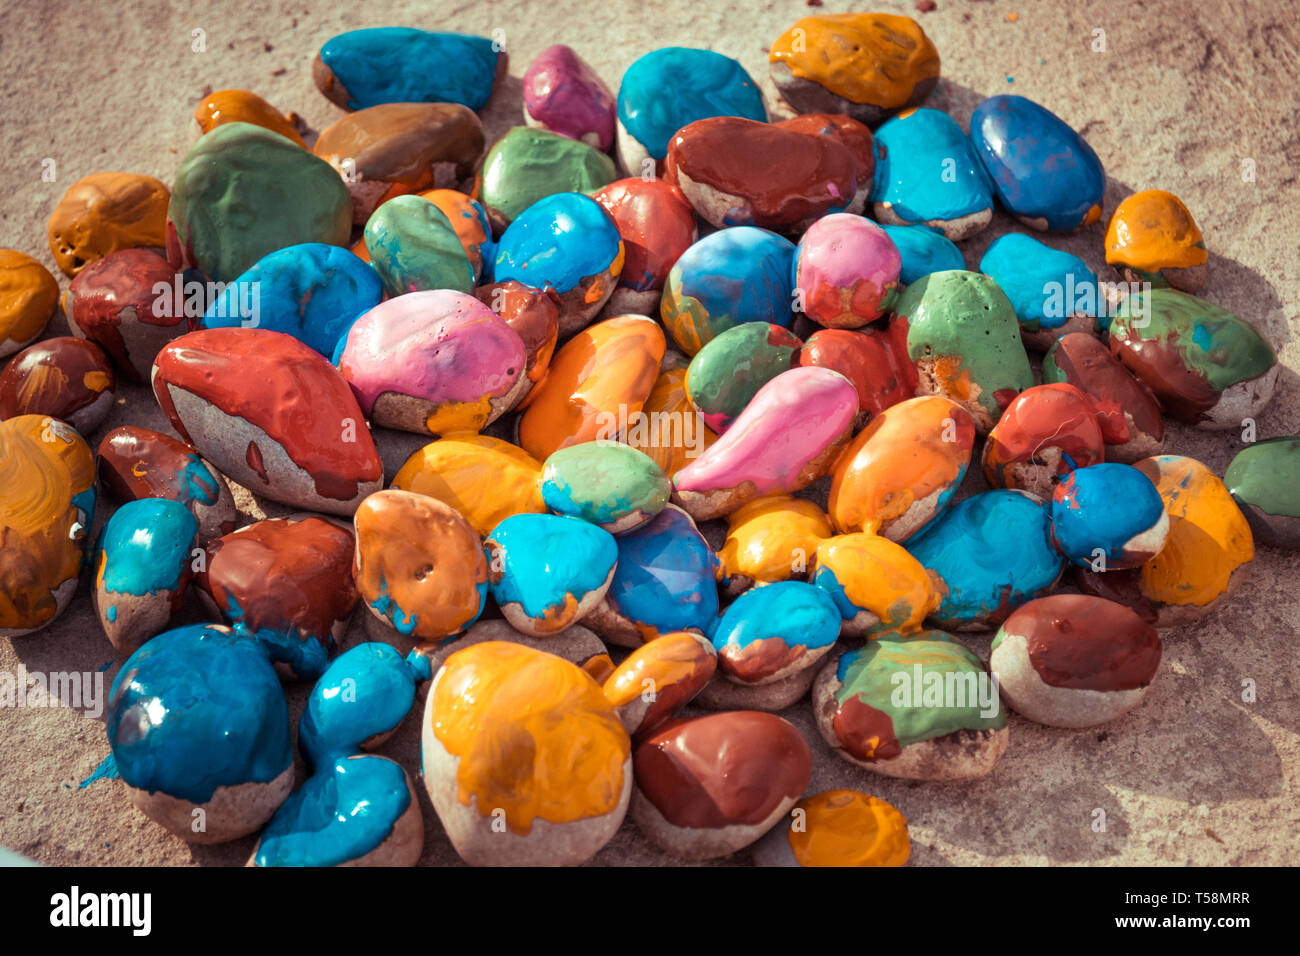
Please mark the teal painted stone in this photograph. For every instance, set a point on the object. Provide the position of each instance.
(530, 164)
(244, 192)
(729, 370)
(414, 248)
(606, 483)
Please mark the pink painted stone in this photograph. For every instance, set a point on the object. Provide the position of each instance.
(788, 423)
(566, 96)
(845, 267)
(437, 345)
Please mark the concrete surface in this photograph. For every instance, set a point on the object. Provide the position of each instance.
(1183, 94)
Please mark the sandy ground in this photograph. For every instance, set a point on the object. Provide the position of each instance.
(1182, 96)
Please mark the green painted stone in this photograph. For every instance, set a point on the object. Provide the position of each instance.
(414, 247)
(730, 369)
(530, 164)
(244, 192)
(964, 318)
(605, 482)
(883, 676)
(1264, 479)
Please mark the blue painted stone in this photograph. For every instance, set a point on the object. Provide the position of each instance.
(666, 577)
(405, 65)
(671, 87)
(145, 547)
(558, 242)
(927, 169)
(1105, 508)
(1042, 170)
(773, 631)
(994, 552)
(1045, 285)
(542, 567)
(924, 250)
(311, 291)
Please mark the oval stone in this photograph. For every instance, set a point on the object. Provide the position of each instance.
(564, 95)
(845, 271)
(771, 539)
(729, 371)
(29, 295)
(414, 248)
(676, 667)
(876, 585)
(657, 225)
(1046, 432)
(838, 828)
(1044, 172)
(105, 212)
(854, 136)
(433, 362)
(363, 68)
(1108, 516)
(527, 165)
(241, 106)
(732, 276)
(771, 632)
(1053, 292)
(243, 192)
(1152, 237)
(875, 360)
(272, 414)
(66, 378)
(1264, 479)
(606, 483)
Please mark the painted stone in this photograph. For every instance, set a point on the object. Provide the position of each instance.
(657, 225)
(485, 479)
(787, 437)
(1152, 237)
(845, 271)
(876, 585)
(197, 722)
(868, 65)
(311, 291)
(1053, 292)
(433, 362)
(606, 483)
(963, 335)
(658, 678)
(923, 249)
(242, 106)
(136, 463)
(854, 136)
(665, 580)
(414, 248)
(105, 212)
(928, 173)
(126, 303)
(838, 828)
(1264, 480)
(564, 95)
(709, 786)
(547, 572)
(902, 469)
(1127, 412)
(419, 567)
(363, 68)
(681, 434)
(1206, 366)
(1108, 516)
(534, 314)
(1209, 547)
(875, 360)
(569, 243)
(287, 582)
(47, 502)
(1046, 432)
(243, 192)
(469, 220)
(739, 172)
(525, 760)
(993, 552)
(271, 414)
(355, 809)
(732, 276)
(731, 369)
(142, 569)
(395, 149)
(527, 165)
(28, 298)
(597, 385)
(1043, 171)
(1071, 660)
(63, 377)
(771, 632)
(672, 87)
(902, 726)
(771, 539)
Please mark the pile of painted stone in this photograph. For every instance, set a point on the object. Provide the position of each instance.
(665, 355)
